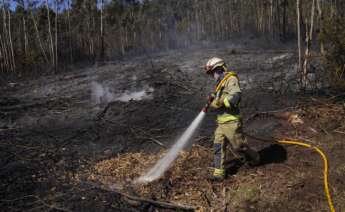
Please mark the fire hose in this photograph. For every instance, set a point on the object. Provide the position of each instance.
(325, 162)
(299, 143)
(289, 142)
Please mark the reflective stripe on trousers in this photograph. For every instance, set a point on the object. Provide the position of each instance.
(221, 119)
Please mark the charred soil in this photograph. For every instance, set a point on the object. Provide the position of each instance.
(77, 141)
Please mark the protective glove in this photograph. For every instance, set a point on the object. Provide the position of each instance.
(216, 103)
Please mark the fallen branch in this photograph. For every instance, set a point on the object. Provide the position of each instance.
(166, 205)
(155, 141)
(146, 136)
(337, 131)
(324, 130)
(44, 204)
(271, 113)
(101, 114)
(51, 207)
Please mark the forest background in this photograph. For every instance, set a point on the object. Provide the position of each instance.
(47, 36)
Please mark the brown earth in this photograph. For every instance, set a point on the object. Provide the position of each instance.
(286, 175)
(61, 151)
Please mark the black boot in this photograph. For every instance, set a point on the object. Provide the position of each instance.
(234, 165)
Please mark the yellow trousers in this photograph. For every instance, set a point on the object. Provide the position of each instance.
(228, 138)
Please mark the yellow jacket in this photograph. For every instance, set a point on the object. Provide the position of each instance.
(227, 98)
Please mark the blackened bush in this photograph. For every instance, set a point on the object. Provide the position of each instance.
(334, 37)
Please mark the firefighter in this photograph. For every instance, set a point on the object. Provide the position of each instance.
(225, 101)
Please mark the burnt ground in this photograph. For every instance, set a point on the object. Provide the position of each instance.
(62, 139)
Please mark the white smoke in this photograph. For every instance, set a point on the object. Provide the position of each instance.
(136, 95)
(134, 78)
(101, 94)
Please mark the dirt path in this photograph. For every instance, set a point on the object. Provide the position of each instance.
(55, 131)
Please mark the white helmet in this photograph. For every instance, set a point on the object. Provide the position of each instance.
(213, 63)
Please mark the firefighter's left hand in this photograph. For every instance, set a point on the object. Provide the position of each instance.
(216, 103)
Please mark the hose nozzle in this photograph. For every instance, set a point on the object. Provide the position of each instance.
(210, 98)
(205, 108)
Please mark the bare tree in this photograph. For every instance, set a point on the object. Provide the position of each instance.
(298, 4)
(3, 55)
(69, 31)
(52, 56)
(321, 19)
(308, 39)
(56, 35)
(21, 4)
(285, 4)
(83, 30)
(39, 37)
(10, 40)
(7, 44)
(102, 31)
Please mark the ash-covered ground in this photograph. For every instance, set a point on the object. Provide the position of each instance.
(57, 131)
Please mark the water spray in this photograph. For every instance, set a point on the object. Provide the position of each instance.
(164, 163)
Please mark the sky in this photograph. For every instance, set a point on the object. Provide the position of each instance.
(67, 4)
(13, 4)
